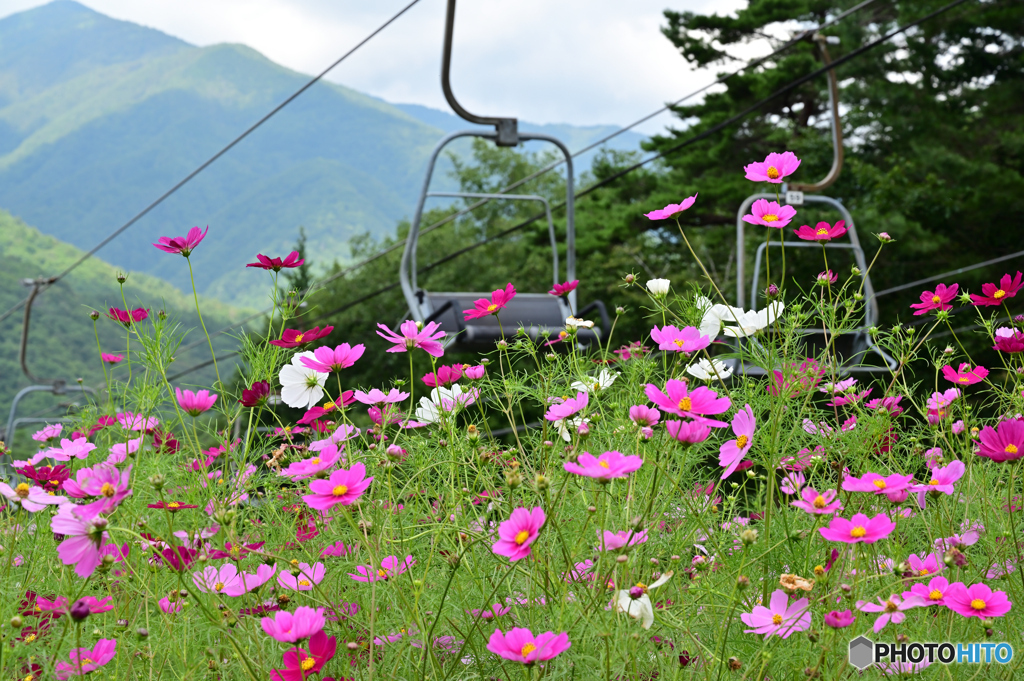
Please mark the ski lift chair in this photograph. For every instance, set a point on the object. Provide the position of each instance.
(856, 348)
(540, 314)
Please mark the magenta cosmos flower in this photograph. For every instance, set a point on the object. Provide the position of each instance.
(111, 359)
(892, 609)
(977, 600)
(389, 567)
(127, 318)
(671, 210)
(565, 288)
(942, 479)
(965, 375)
(821, 232)
(818, 503)
(876, 484)
(781, 618)
(605, 467)
(300, 664)
(839, 619)
(277, 264)
(444, 376)
(343, 487)
(327, 360)
(688, 432)
(412, 337)
(614, 541)
(516, 534)
(484, 307)
(932, 594)
(687, 339)
(84, 540)
(256, 395)
(678, 399)
(939, 299)
(1008, 340)
(997, 295)
(289, 628)
(858, 529)
(292, 338)
(183, 245)
(770, 214)
(774, 169)
(1005, 442)
(85, 660)
(308, 576)
(568, 407)
(195, 403)
(520, 645)
(733, 451)
(324, 460)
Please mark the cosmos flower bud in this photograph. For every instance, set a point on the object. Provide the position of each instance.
(748, 537)
(513, 479)
(94, 315)
(121, 277)
(541, 482)
(742, 582)
(735, 664)
(772, 291)
(472, 434)
(622, 559)
(620, 310)
(17, 622)
(80, 610)
(885, 238)
(629, 278)
(636, 592)
(157, 481)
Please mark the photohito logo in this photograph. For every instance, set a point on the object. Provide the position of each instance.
(864, 652)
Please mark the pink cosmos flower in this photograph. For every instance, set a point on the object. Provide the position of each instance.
(484, 307)
(826, 278)
(942, 479)
(939, 299)
(475, 373)
(997, 295)
(412, 337)
(120, 451)
(248, 581)
(343, 487)
(195, 403)
(84, 539)
(1005, 442)
(378, 397)
(644, 416)
(818, 503)
(821, 232)
(568, 407)
(678, 399)
(444, 376)
(687, 339)
(110, 359)
(290, 261)
(781, 618)
(520, 645)
(301, 664)
(688, 432)
(308, 576)
(614, 541)
(326, 360)
(605, 467)
(326, 457)
(183, 245)
(792, 482)
(78, 448)
(60, 604)
(770, 214)
(965, 375)
(671, 210)
(288, 628)
(932, 594)
(166, 606)
(339, 548)
(516, 534)
(127, 318)
(389, 567)
(256, 395)
(733, 451)
(491, 612)
(137, 422)
(774, 169)
(858, 529)
(48, 433)
(892, 610)
(849, 398)
(85, 660)
(214, 580)
(929, 565)
(876, 484)
(291, 338)
(839, 619)
(1008, 340)
(888, 404)
(939, 401)
(31, 497)
(564, 289)
(977, 600)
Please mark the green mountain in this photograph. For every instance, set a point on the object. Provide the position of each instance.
(98, 117)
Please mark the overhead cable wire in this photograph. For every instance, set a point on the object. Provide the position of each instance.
(937, 277)
(185, 180)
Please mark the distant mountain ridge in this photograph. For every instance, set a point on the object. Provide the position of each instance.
(99, 116)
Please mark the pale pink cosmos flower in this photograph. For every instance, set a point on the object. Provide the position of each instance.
(389, 567)
(167, 607)
(792, 482)
(671, 210)
(78, 448)
(324, 460)
(942, 480)
(696, 404)
(491, 612)
(958, 427)
(32, 498)
(341, 433)
(605, 467)
(839, 619)
(877, 484)
(214, 580)
(474, 373)
(182, 245)
(932, 594)
(1001, 569)
(412, 337)
(326, 360)
(339, 548)
(520, 645)
(965, 375)
(818, 503)
(102, 480)
(625, 539)
(378, 397)
(195, 403)
(132, 421)
(781, 618)
(929, 565)
(733, 451)
(50, 432)
(120, 451)
(516, 534)
(484, 307)
(569, 406)
(942, 400)
(775, 168)
(977, 600)
(309, 575)
(289, 628)
(646, 418)
(858, 529)
(86, 660)
(248, 581)
(1008, 340)
(687, 339)
(892, 610)
(84, 539)
(688, 432)
(770, 214)
(343, 487)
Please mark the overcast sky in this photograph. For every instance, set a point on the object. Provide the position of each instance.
(545, 61)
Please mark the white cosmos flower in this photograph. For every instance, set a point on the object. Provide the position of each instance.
(563, 427)
(640, 608)
(658, 287)
(709, 370)
(301, 387)
(576, 323)
(444, 399)
(603, 381)
(748, 323)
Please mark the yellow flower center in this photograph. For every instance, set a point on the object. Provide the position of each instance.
(858, 532)
(308, 664)
(999, 294)
(936, 299)
(890, 606)
(742, 441)
(770, 217)
(22, 489)
(174, 504)
(880, 484)
(522, 537)
(340, 491)
(819, 502)
(1011, 449)
(773, 174)
(935, 595)
(978, 604)
(303, 582)
(30, 638)
(219, 586)
(329, 406)
(678, 343)
(86, 660)
(685, 404)
(383, 574)
(964, 379)
(776, 619)
(527, 649)
(492, 307)
(924, 571)
(315, 460)
(298, 339)
(603, 464)
(294, 562)
(819, 570)
(107, 490)
(933, 481)
(822, 232)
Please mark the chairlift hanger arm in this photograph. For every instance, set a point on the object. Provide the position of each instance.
(837, 128)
